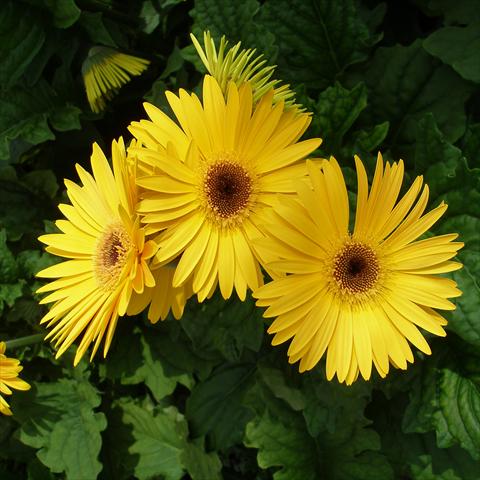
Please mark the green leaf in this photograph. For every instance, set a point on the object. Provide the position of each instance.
(464, 319)
(460, 11)
(336, 110)
(150, 15)
(162, 448)
(9, 292)
(450, 179)
(49, 48)
(26, 112)
(215, 405)
(201, 465)
(21, 211)
(59, 420)
(21, 38)
(404, 84)
(427, 462)
(65, 117)
(153, 12)
(94, 25)
(135, 360)
(172, 346)
(433, 151)
(30, 262)
(65, 12)
(448, 403)
(417, 456)
(458, 417)
(174, 63)
(156, 94)
(237, 21)
(116, 440)
(25, 311)
(458, 47)
(159, 439)
(229, 327)
(8, 265)
(11, 287)
(446, 171)
(335, 416)
(42, 182)
(370, 139)
(418, 414)
(471, 145)
(317, 39)
(277, 383)
(285, 444)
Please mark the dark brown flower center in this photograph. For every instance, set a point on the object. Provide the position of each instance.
(111, 255)
(356, 268)
(228, 187)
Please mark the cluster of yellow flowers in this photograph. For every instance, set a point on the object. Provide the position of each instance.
(224, 196)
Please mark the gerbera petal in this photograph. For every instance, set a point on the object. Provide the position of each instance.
(191, 256)
(207, 261)
(226, 264)
(171, 247)
(362, 344)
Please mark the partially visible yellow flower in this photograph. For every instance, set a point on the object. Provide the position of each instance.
(358, 297)
(9, 370)
(240, 66)
(105, 70)
(212, 177)
(107, 251)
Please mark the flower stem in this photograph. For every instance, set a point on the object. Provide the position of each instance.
(24, 341)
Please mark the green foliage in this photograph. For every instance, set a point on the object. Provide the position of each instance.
(458, 47)
(463, 12)
(28, 113)
(207, 397)
(59, 420)
(235, 20)
(21, 39)
(405, 83)
(214, 406)
(162, 448)
(336, 110)
(286, 445)
(449, 403)
(317, 40)
(64, 12)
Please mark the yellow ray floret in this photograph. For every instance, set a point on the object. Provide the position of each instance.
(240, 66)
(212, 176)
(9, 370)
(105, 70)
(107, 251)
(163, 297)
(358, 297)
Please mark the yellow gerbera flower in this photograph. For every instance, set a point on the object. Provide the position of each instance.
(9, 370)
(105, 70)
(359, 296)
(241, 66)
(215, 175)
(108, 255)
